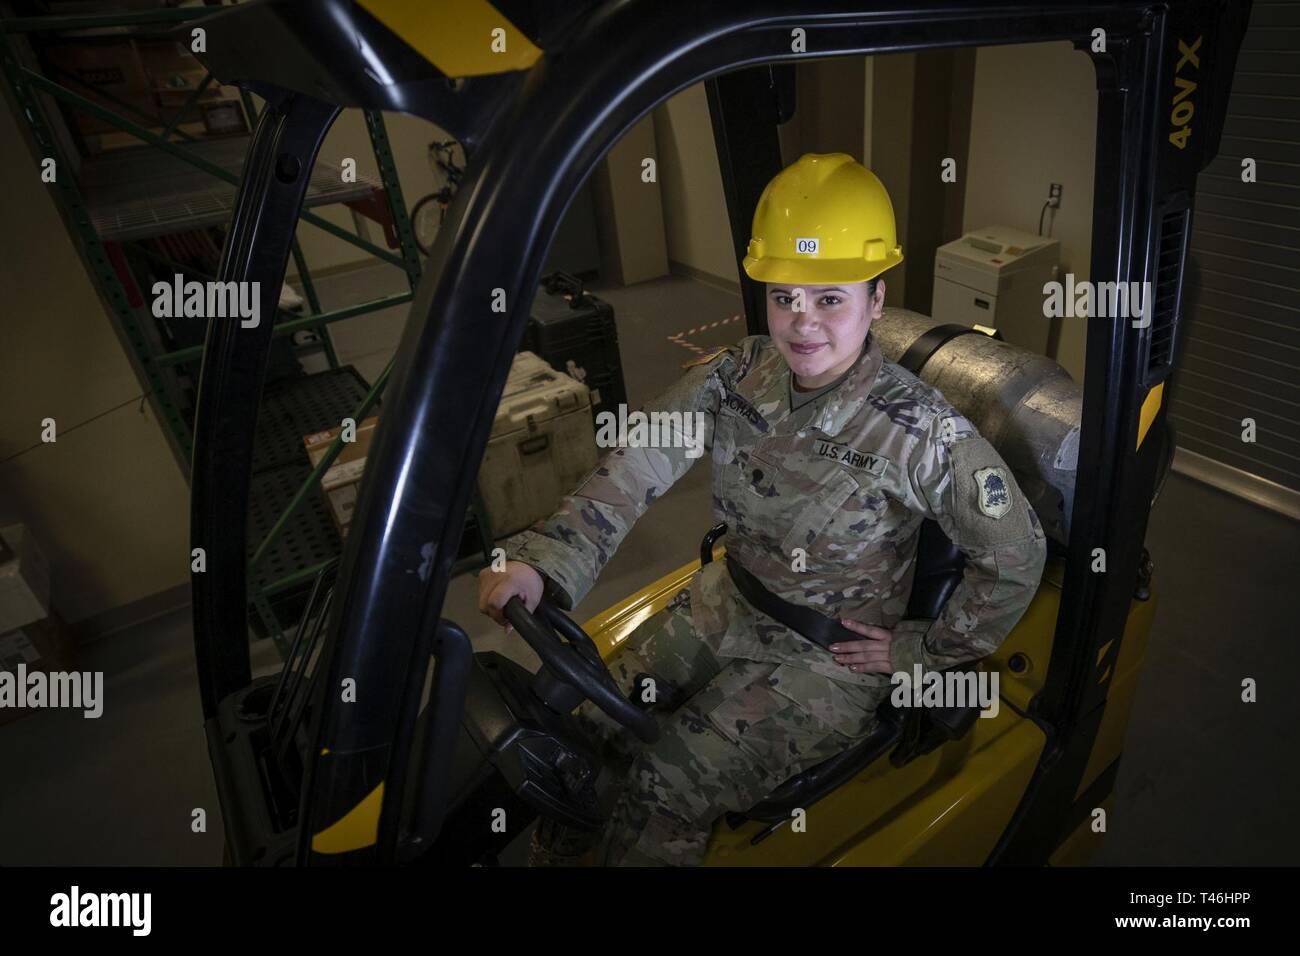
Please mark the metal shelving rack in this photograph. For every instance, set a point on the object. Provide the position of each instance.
(167, 186)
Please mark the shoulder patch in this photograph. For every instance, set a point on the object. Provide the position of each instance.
(986, 509)
(994, 491)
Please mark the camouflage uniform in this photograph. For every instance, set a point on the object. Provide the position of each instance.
(823, 505)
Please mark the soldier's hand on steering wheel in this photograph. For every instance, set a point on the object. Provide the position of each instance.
(495, 588)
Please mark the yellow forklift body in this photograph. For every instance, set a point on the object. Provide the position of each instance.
(946, 808)
(1109, 743)
(454, 44)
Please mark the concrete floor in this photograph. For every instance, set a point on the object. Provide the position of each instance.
(1201, 781)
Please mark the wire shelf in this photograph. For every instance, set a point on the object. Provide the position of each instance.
(144, 191)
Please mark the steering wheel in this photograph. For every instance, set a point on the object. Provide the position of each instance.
(567, 651)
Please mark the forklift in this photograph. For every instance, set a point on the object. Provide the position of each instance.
(386, 739)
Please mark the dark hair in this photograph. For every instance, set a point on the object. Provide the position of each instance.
(871, 287)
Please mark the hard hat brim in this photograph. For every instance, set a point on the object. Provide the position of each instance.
(817, 271)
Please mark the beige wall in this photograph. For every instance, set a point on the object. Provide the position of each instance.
(893, 78)
(695, 211)
(107, 500)
(831, 111)
(1034, 122)
(868, 108)
(630, 209)
(409, 138)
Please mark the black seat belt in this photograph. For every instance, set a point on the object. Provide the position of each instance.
(919, 352)
(815, 626)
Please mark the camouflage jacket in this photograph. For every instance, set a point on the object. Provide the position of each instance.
(823, 505)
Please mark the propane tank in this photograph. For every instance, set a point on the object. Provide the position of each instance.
(1026, 405)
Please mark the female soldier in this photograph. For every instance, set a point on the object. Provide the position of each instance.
(826, 459)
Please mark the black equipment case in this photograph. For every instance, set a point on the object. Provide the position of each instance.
(574, 332)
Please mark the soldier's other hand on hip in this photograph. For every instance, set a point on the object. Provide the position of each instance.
(495, 588)
(870, 656)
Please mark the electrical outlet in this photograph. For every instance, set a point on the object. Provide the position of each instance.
(1054, 196)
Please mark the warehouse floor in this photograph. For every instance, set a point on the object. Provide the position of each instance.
(1199, 783)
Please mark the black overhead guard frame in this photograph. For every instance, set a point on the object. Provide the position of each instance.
(532, 137)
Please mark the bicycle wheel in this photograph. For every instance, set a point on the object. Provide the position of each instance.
(426, 216)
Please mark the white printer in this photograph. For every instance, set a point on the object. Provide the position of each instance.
(994, 277)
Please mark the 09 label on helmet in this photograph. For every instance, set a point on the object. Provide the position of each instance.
(806, 246)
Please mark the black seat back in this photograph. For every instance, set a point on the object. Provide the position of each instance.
(939, 566)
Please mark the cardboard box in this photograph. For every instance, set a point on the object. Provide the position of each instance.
(112, 66)
(342, 480)
(45, 645)
(24, 580)
(154, 77)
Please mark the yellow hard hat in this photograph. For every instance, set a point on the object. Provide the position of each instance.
(824, 219)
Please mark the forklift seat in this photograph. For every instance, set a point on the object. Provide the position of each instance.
(939, 566)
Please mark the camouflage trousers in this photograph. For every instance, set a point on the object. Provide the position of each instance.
(727, 740)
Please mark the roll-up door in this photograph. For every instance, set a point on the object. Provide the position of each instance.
(1240, 338)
